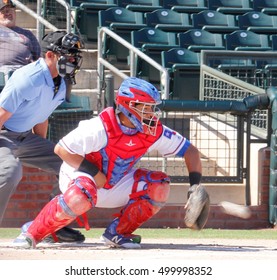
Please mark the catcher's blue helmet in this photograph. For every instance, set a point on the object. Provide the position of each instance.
(134, 92)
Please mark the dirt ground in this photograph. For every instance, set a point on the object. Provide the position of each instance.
(166, 259)
(160, 249)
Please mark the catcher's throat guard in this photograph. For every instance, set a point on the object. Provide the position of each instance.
(197, 207)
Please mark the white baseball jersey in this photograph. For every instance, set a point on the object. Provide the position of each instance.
(91, 136)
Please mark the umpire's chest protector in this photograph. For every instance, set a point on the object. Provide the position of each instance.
(122, 151)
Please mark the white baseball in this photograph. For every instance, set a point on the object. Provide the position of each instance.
(236, 210)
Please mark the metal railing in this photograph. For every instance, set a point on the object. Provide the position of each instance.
(41, 21)
(253, 73)
(134, 53)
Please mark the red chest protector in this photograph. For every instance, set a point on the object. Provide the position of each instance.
(122, 151)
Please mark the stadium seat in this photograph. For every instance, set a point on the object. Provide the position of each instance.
(199, 39)
(214, 21)
(184, 70)
(140, 5)
(234, 7)
(122, 22)
(188, 6)
(87, 18)
(152, 42)
(244, 40)
(258, 22)
(168, 20)
(266, 6)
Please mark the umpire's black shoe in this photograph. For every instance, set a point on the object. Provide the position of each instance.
(65, 235)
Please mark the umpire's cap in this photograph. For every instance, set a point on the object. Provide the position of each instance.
(4, 3)
(61, 42)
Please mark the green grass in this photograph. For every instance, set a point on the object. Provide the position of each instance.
(174, 233)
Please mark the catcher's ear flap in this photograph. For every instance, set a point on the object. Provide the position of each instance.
(197, 207)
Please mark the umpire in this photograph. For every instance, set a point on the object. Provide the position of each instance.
(30, 96)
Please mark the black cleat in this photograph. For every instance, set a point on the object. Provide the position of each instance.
(65, 235)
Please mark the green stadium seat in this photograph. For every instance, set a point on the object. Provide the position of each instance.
(140, 5)
(87, 17)
(266, 6)
(258, 22)
(152, 42)
(187, 6)
(234, 7)
(152, 37)
(67, 117)
(214, 21)
(244, 40)
(122, 22)
(199, 39)
(168, 20)
(184, 70)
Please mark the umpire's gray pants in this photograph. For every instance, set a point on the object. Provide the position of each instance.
(27, 149)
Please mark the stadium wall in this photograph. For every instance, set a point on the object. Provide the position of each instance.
(33, 193)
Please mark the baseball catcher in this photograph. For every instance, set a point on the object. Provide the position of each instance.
(99, 169)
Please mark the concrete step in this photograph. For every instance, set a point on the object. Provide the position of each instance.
(24, 20)
(89, 58)
(87, 78)
(55, 15)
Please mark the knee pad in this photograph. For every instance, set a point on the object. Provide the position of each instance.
(157, 184)
(80, 196)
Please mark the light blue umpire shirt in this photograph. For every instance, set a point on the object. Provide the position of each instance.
(29, 96)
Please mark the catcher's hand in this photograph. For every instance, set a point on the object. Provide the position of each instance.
(197, 207)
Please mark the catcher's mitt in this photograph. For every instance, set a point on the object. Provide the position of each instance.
(197, 207)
